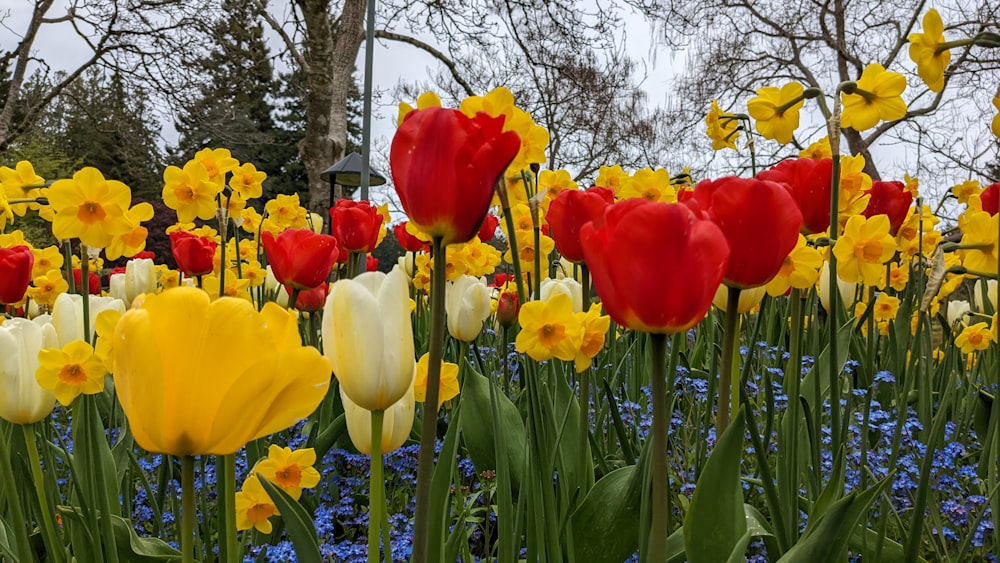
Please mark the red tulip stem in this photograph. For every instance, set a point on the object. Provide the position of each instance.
(585, 282)
(660, 526)
(425, 464)
(729, 385)
(585, 383)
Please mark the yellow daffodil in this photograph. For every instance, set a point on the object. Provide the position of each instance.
(526, 251)
(6, 213)
(611, 177)
(196, 376)
(885, 310)
(554, 182)
(595, 327)
(190, 192)
(721, 128)
(975, 338)
(89, 208)
(925, 51)
(249, 220)
(776, 111)
(397, 422)
(425, 100)
(286, 211)
(45, 289)
(106, 322)
(995, 125)
(368, 337)
(864, 248)
(70, 371)
(448, 386)
(912, 185)
(653, 185)
(817, 149)
(800, 270)
(981, 230)
(481, 259)
(21, 182)
(133, 241)
(878, 97)
(49, 258)
(22, 399)
(216, 162)
(549, 329)
(235, 286)
(248, 181)
(749, 298)
(963, 191)
(253, 507)
(899, 276)
(290, 470)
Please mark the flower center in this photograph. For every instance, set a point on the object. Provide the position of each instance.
(869, 250)
(551, 334)
(90, 212)
(260, 512)
(184, 194)
(290, 476)
(72, 374)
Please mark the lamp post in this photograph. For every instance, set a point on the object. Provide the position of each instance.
(348, 174)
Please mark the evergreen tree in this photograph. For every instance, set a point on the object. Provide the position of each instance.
(234, 108)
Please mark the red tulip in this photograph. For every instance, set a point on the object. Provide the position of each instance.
(15, 273)
(93, 281)
(500, 279)
(145, 254)
(809, 180)
(989, 198)
(445, 166)
(508, 306)
(656, 266)
(409, 242)
(891, 199)
(195, 255)
(760, 221)
(489, 228)
(355, 224)
(569, 211)
(310, 300)
(299, 257)
(371, 263)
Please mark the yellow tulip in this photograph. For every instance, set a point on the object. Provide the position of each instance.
(749, 298)
(196, 376)
(368, 337)
(22, 399)
(396, 423)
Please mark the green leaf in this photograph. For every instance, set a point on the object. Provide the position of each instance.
(716, 521)
(298, 522)
(604, 525)
(478, 431)
(437, 528)
(820, 372)
(865, 540)
(130, 546)
(827, 540)
(833, 491)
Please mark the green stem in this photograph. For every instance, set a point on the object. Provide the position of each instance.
(512, 239)
(834, 313)
(11, 491)
(53, 545)
(187, 509)
(223, 231)
(728, 383)
(68, 265)
(376, 494)
(425, 465)
(793, 378)
(229, 547)
(85, 290)
(660, 527)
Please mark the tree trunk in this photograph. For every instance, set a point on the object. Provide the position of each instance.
(330, 62)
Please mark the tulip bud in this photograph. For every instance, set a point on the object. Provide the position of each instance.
(958, 312)
(847, 289)
(15, 273)
(22, 399)
(467, 303)
(991, 293)
(67, 315)
(508, 307)
(570, 287)
(396, 423)
(749, 298)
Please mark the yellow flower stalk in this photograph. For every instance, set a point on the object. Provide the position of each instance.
(876, 97)
(196, 376)
(776, 111)
(926, 51)
(89, 208)
(863, 249)
(290, 470)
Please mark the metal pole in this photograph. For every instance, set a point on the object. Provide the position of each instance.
(366, 126)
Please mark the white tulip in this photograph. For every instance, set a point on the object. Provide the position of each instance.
(467, 303)
(67, 315)
(397, 422)
(991, 291)
(847, 290)
(22, 399)
(957, 312)
(570, 287)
